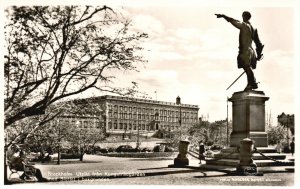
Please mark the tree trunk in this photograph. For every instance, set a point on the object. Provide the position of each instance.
(42, 155)
(81, 156)
(5, 167)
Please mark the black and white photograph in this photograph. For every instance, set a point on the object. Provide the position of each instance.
(167, 93)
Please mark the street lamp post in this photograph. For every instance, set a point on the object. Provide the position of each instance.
(227, 128)
(287, 130)
(58, 154)
(79, 129)
(138, 138)
(103, 127)
(179, 103)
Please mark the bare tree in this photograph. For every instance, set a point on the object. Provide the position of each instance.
(85, 138)
(67, 127)
(287, 121)
(200, 131)
(56, 52)
(28, 127)
(275, 134)
(209, 132)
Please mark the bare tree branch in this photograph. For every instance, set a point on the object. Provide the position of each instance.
(56, 52)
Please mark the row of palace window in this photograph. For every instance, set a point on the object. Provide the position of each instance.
(126, 109)
(152, 117)
(92, 124)
(125, 126)
(129, 126)
(82, 123)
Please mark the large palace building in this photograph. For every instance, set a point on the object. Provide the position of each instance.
(133, 115)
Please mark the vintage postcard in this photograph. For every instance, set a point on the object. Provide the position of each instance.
(149, 93)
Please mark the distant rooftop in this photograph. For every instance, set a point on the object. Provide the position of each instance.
(128, 99)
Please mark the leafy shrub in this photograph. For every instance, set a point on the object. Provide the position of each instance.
(141, 154)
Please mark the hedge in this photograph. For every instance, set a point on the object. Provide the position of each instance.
(140, 154)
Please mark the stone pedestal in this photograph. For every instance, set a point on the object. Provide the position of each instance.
(248, 118)
(181, 159)
(246, 165)
(248, 112)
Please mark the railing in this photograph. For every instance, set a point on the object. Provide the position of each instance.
(146, 101)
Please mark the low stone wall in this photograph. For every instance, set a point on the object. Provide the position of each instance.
(144, 144)
(141, 154)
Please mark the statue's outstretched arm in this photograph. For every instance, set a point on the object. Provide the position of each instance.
(234, 22)
(228, 19)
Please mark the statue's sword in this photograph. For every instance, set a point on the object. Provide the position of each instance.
(235, 80)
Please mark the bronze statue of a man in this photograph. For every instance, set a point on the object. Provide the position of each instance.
(247, 58)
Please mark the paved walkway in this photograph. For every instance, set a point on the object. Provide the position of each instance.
(110, 170)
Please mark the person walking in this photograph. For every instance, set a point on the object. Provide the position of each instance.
(292, 145)
(201, 151)
(278, 147)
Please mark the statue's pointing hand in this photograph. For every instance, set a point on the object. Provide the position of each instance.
(219, 15)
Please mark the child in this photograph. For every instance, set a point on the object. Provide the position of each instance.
(278, 147)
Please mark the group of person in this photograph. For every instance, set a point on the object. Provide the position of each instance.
(17, 157)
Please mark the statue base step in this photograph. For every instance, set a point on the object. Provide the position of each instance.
(181, 162)
(230, 157)
(260, 139)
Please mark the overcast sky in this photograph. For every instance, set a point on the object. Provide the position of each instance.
(193, 54)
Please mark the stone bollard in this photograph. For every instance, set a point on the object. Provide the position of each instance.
(181, 159)
(246, 165)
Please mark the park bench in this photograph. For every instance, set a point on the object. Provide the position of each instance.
(28, 170)
(13, 169)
